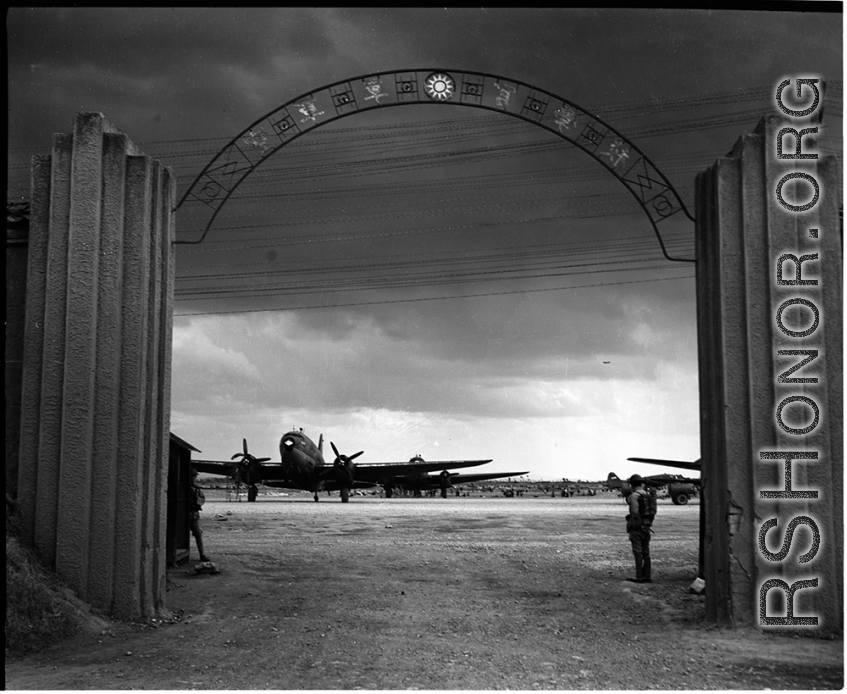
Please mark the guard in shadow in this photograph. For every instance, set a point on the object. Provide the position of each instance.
(197, 499)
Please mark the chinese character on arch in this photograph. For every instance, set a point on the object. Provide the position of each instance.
(308, 109)
(565, 117)
(373, 86)
(617, 153)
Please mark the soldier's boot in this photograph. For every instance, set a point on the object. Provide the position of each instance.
(645, 571)
(639, 569)
(203, 556)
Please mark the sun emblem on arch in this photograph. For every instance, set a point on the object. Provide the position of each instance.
(439, 86)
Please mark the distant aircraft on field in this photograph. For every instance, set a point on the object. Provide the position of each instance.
(302, 466)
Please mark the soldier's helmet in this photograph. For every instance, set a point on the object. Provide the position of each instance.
(636, 479)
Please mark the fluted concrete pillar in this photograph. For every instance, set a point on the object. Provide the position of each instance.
(769, 281)
(96, 367)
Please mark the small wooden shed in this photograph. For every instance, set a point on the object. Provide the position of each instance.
(179, 511)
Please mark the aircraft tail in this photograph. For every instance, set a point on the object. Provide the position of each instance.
(614, 482)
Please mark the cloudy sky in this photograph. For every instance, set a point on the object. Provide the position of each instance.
(430, 279)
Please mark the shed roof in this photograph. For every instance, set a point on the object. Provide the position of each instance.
(182, 443)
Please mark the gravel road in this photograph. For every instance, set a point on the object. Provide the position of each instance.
(458, 593)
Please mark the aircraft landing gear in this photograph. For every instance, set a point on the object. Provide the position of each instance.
(345, 495)
(252, 492)
(316, 496)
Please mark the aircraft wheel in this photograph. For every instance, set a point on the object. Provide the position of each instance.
(345, 495)
(680, 499)
(316, 496)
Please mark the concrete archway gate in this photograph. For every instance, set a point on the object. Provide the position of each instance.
(96, 378)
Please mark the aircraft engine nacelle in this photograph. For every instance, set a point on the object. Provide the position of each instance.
(345, 473)
(681, 492)
(249, 472)
(416, 480)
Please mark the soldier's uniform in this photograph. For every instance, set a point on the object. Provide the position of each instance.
(642, 510)
(197, 499)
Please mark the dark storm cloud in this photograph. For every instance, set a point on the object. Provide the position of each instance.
(464, 357)
(289, 368)
(158, 73)
(524, 328)
(160, 42)
(599, 54)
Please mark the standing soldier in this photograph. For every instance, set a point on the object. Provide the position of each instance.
(197, 499)
(642, 511)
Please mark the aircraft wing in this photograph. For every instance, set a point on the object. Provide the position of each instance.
(662, 480)
(460, 478)
(682, 464)
(377, 472)
(270, 471)
(434, 481)
(329, 485)
(214, 467)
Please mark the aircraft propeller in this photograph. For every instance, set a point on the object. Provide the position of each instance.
(344, 468)
(248, 467)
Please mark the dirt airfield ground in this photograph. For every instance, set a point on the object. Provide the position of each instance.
(458, 593)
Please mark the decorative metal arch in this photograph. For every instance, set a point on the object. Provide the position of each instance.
(259, 141)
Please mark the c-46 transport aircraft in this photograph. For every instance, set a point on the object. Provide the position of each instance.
(302, 466)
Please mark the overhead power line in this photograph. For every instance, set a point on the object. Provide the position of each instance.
(431, 280)
(641, 241)
(435, 298)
